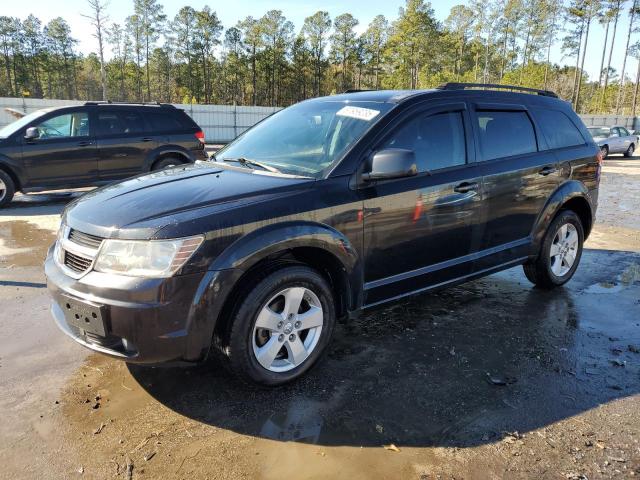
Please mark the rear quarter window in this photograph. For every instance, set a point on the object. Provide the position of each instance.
(504, 134)
(164, 122)
(558, 129)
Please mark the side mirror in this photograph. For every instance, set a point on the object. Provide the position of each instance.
(32, 133)
(391, 163)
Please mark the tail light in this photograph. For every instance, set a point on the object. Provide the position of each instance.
(200, 136)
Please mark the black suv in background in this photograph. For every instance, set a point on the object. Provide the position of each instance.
(326, 208)
(93, 144)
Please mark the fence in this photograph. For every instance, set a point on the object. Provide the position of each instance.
(221, 123)
(632, 123)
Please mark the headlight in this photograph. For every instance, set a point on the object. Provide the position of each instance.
(145, 258)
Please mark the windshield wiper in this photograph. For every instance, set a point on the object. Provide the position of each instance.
(245, 162)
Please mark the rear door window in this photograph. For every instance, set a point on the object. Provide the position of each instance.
(623, 131)
(504, 134)
(119, 123)
(558, 129)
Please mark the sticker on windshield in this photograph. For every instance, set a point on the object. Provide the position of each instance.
(366, 114)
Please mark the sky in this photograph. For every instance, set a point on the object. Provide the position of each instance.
(296, 11)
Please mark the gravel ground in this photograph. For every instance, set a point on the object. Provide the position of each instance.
(491, 379)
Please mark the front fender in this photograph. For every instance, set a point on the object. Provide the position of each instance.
(567, 191)
(243, 254)
(14, 168)
(250, 249)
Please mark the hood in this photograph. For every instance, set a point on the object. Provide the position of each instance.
(142, 205)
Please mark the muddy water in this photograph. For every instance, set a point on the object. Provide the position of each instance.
(444, 373)
(23, 244)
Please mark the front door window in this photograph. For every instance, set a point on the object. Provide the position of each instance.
(68, 125)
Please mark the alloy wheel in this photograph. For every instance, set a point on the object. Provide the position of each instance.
(3, 190)
(564, 250)
(287, 329)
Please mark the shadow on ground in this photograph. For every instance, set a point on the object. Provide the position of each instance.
(455, 368)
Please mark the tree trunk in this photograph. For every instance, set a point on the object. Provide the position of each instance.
(584, 54)
(147, 68)
(635, 91)
(7, 64)
(624, 62)
(524, 53)
(504, 51)
(575, 75)
(604, 52)
(253, 71)
(613, 41)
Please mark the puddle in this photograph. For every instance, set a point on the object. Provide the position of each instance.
(23, 244)
(628, 277)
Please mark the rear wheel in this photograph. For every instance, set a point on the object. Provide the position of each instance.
(7, 189)
(560, 252)
(630, 151)
(166, 163)
(281, 327)
(605, 151)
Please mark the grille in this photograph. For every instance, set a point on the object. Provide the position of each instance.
(84, 239)
(76, 263)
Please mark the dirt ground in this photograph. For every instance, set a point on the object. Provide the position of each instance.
(491, 379)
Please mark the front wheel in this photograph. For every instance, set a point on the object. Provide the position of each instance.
(281, 327)
(630, 151)
(560, 252)
(7, 189)
(605, 151)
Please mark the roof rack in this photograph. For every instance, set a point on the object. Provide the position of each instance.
(495, 86)
(109, 102)
(356, 90)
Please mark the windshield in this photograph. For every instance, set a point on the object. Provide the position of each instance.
(22, 122)
(305, 138)
(599, 131)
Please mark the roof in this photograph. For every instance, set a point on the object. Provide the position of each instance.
(452, 89)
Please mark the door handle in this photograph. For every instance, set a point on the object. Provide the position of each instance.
(465, 187)
(147, 139)
(84, 143)
(547, 171)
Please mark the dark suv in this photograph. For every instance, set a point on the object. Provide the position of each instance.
(326, 208)
(93, 144)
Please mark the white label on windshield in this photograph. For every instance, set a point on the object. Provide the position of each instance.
(360, 113)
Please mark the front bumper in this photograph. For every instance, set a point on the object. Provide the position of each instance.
(145, 320)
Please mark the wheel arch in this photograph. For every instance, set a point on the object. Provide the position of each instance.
(261, 252)
(571, 195)
(14, 176)
(158, 155)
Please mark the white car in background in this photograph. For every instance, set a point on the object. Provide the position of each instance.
(616, 139)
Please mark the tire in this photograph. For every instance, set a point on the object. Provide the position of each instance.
(630, 151)
(545, 271)
(248, 342)
(605, 151)
(166, 163)
(7, 189)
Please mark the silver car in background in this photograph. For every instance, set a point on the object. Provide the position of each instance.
(616, 139)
